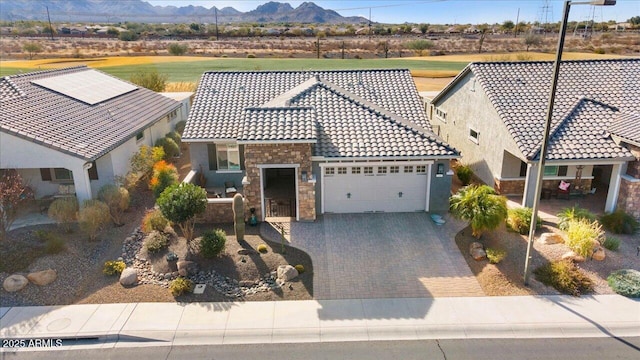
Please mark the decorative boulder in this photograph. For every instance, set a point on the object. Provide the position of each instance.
(287, 272)
(15, 283)
(550, 239)
(186, 268)
(44, 277)
(476, 250)
(598, 253)
(573, 257)
(129, 277)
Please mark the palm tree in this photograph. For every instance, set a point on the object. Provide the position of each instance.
(481, 206)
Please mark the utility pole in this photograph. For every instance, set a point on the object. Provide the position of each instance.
(318, 48)
(369, 24)
(517, 21)
(216, 15)
(343, 49)
(50, 27)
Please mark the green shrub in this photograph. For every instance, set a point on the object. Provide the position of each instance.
(54, 244)
(495, 255)
(171, 149)
(519, 220)
(180, 286)
(64, 211)
(117, 199)
(212, 243)
(582, 235)
(300, 268)
(625, 282)
(142, 161)
(180, 204)
(156, 241)
(565, 277)
(262, 248)
(620, 222)
(464, 173)
(164, 175)
(113, 267)
(251, 56)
(573, 213)
(175, 137)
(93, 216)
(180, 127)
(177, 49)
(611, 243)
(153, 220)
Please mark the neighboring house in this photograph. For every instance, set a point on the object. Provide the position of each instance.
(77, 127)
(298, 143)
(495, 112)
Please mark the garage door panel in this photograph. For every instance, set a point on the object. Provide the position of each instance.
(357, 193)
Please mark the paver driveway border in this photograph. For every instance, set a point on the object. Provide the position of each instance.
(382, 255)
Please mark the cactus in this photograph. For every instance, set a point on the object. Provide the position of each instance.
(238, 216)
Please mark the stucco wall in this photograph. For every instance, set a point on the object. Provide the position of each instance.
(215, 179)
(440, 189)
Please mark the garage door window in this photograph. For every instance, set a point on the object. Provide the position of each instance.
(342, 170)
(421, 169)
(394, 169)
(329, 171)
(368, 170)
(408, 169)
(382, 170)
(355, 170)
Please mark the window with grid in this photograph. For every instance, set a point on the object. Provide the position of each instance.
(408, 169)
(329, 171)
(394, 169)
(368, 169)
(355, 170)
(342, 170)
(421, 169)
(382, 169)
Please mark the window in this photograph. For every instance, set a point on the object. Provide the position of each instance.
(408, 169)
(441, 115)
(355, 170)
(554, 170)
(523, 169)
(342, 170)
(440, 170)
(368, 170)
(421, 169)
(172, 115)
(329, 171)
(228, 157)
(382, 170)
(473, 135)
(394, 169)
(62, 175)
(140, 136)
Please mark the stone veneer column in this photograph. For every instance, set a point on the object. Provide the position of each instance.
(629, 196)
(260, 154)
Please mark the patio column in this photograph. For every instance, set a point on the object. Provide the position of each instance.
(529, 185)
(81, 183)
(614, 188)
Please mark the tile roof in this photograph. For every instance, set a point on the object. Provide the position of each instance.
(519, 91)
(71, 126)
(350, 113)
(626, 127)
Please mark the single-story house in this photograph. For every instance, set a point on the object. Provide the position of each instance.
(71, 131)
(298, 143)
(495, 112)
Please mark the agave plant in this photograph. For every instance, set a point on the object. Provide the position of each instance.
(481, 206)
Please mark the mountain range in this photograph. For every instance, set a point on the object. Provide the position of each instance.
(141, 11)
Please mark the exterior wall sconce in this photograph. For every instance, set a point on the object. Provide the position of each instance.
(400, 194)
(348, 195)
(440, 170)
(304, 176)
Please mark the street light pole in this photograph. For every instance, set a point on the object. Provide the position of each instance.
(547, 126)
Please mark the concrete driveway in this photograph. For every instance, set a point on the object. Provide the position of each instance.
(386, 255)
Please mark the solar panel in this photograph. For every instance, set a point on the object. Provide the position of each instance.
(90, 87)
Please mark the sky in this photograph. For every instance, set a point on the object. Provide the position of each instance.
(446, 11)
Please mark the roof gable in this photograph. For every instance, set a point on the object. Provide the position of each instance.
(626, 127)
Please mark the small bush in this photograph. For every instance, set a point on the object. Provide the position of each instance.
(619, 222)
(176, 49)
(93, 216)
(565, 277)
(464, 173)
(113, 267)
(153, 220)
(625, 282)
(175, 137)
(156, 241)
(171, 149)
(495, 255)
(262, 248)
(300, 268)
(611, 243)
(573, 213)
(519, 220)
(251, 56)
(54, 244)
(117, 199)
(142, 161)
(180, 127)
(64, 211)
(164, 175)
(582, 235)
(212, 243)
(180, 286)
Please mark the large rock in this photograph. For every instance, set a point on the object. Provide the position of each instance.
(287, 272)
(598, 253)
(571, 255)
(44, 277)
(476, 250)
(129, 277)
(186, 268)
(550, 239)
(15, 283)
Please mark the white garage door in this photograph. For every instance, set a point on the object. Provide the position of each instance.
(388, 188)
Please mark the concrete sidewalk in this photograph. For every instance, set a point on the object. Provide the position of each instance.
(163, 324)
